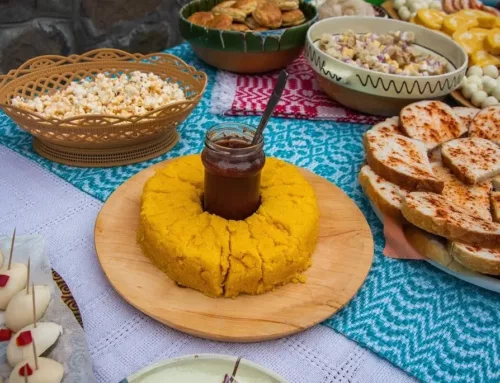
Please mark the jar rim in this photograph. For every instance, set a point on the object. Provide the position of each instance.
(235, 128)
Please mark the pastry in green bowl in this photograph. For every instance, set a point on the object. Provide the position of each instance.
(247, 36)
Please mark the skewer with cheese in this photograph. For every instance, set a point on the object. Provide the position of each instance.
(49, 371)
(13, 277)
(19, 312)
(20, 347)
(11, 282)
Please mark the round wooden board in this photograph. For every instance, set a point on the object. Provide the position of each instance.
(341, 262)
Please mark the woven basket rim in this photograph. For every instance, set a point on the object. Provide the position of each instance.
(98, 55)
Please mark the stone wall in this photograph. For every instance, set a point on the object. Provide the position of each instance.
(29, 28)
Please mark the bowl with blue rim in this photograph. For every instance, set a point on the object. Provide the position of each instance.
(245, 51)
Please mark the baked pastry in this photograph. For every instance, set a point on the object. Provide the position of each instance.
(247, 6)
(224, 4)
(268, 15)
(236, 14)
(286, 5)
(400, 160)
(251, 23)
(201, 18)
(239, 28)
(221, 21)
(432, 122)
(292, 18)
(435, 214)
(472, 159)
(222, 257)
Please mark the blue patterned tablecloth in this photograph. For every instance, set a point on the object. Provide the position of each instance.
(433, 326)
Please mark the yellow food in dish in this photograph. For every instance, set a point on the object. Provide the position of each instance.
(483, 58)
(455, 21)
(485, 19)
(476, 31)
(219, 257)
(430, 18)
(472, 40)
(492, 41)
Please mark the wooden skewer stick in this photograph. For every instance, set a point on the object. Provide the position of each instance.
(12, 249)
(28, 281)
(34, 308)
(25, 374)
(34, 354)
(235, 369)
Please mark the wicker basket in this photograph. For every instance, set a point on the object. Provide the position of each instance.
(100, 140)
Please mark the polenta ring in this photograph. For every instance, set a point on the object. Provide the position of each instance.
(222, 257)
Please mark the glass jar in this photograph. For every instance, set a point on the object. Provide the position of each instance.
(232, 171)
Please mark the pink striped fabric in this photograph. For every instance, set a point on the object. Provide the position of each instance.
(302, 98)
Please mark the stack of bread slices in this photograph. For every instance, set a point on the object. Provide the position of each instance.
(436, 169)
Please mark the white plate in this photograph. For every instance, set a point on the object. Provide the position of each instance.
(206, 368)
(481, 280)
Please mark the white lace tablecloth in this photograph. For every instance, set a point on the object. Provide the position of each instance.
(121, 339)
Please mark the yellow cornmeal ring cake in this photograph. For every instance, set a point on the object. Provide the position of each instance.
(225, 258)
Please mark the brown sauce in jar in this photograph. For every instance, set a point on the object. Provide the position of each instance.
(232, 174)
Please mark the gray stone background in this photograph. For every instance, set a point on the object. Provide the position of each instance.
(30, 28)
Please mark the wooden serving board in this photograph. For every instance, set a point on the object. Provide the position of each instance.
(341, 262)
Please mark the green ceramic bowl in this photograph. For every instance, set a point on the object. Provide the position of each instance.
(245, 52)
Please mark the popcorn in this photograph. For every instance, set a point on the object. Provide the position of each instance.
(135, 94)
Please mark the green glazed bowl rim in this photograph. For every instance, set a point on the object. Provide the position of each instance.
(271, 32)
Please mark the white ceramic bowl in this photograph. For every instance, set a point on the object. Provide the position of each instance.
(380, 93)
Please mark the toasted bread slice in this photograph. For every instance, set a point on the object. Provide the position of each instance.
(472, 159)
(400, 160)
(486, 124)
(495, 206)
(496, 183)
(388, 126)
(485, 261)
(437, 215)
(432, 247)
(432, 122)
(385, 196)
(467, 115)
(475, 199)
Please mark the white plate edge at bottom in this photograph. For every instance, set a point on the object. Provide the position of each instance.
(195, 357)
(484, 281)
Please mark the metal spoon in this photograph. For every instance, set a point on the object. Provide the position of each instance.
(271, 104)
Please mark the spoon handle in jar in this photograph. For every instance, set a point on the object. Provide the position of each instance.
(273, 101)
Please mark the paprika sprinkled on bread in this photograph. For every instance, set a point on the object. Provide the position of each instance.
(400, 160)
(435, 214)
